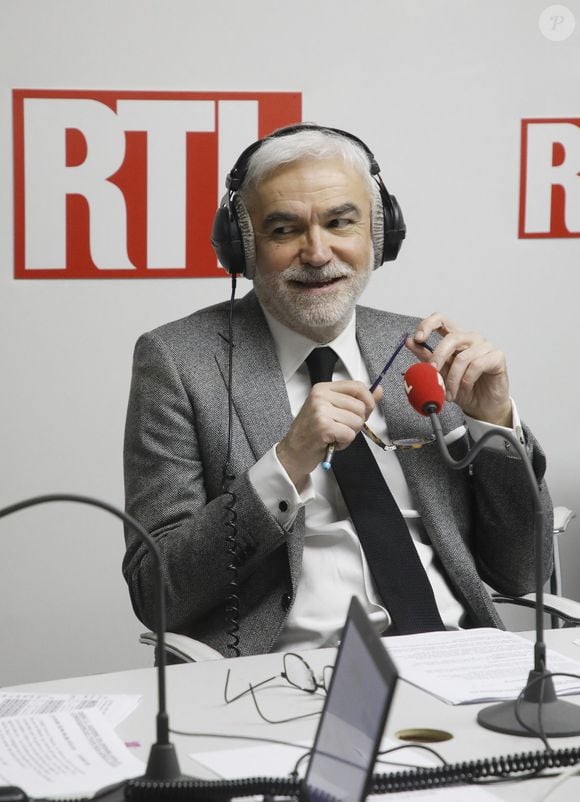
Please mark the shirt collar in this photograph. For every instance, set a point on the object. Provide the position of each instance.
(292, 348)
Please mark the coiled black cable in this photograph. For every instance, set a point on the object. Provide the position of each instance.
(232, 603)
(199, 790)
(505, 767)
(508, 766)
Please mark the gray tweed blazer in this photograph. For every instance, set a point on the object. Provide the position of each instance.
(480, 522)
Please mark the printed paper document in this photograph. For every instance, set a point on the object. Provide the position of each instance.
(64, 754)
(474, 665)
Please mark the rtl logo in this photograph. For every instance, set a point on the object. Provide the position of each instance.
(126, 184)
(550, 178)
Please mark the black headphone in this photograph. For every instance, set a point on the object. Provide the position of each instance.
(232, 234)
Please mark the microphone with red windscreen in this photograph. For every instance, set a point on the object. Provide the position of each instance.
(425, 388)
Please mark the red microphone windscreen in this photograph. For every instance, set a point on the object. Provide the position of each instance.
(424, 385)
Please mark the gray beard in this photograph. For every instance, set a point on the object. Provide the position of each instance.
(320, 318)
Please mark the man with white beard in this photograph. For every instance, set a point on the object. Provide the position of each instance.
(262, 548)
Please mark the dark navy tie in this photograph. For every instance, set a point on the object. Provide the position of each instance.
(389, 549)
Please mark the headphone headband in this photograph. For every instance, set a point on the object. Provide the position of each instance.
(237, 174)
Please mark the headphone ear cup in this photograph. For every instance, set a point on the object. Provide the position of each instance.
(225, 238)
(232, 237)
(394, 228)
(246, 232)
(378, 227)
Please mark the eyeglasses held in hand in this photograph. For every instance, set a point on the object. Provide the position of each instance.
(405, 442)
(401, 443)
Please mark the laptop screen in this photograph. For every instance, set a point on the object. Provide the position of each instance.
(354, 715)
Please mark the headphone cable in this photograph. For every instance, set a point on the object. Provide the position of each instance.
(232, 603)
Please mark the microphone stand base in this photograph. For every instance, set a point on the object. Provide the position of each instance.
(558, 719)
(162, 767)
(538, 713)
(163, 764)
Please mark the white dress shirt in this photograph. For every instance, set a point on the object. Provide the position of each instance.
(334, 566)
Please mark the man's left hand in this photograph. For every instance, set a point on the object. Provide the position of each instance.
(474, 370)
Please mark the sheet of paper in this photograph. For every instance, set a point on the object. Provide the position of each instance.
(114, 707)
(64, 754)
(459, 793)
(277, 760)
(231, 764)
(271, 760)
(474, 665)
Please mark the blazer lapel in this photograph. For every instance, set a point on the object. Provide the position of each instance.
(257, 380)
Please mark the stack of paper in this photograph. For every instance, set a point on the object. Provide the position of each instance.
(474, 665)
(71, 753)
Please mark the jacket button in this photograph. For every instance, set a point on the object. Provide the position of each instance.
(286, 602)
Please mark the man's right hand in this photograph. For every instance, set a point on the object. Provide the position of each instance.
(334, 412)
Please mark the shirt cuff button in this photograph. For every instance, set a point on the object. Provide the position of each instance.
(283, 506)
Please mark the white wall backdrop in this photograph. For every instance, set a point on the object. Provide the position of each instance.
(436, 89)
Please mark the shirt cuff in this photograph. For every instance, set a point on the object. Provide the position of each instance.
(477, 428)
(276, 489)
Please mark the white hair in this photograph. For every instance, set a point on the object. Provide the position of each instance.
(307, 143)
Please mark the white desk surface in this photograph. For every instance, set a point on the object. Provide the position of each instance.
(195, 703)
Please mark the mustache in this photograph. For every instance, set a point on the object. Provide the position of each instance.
(316, 275)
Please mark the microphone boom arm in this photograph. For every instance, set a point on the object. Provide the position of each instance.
(162, 763)
(538, 705)
(457, 465)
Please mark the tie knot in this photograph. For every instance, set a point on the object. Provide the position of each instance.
(320, 363)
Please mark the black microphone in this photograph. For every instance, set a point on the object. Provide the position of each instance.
(162, 765)
(426, 393)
